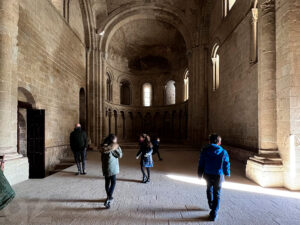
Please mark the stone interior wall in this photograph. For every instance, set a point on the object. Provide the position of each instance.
(288, 88)
(75, 18)
(233, 107)
(51, 67)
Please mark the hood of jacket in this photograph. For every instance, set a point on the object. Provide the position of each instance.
(215, 149)
(110, 148)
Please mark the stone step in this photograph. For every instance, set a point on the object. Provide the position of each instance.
(266, 161)
(273, 156)
(268, 152)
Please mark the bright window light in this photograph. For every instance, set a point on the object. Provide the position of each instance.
(147, 94)
(239, 187)
(231, 3)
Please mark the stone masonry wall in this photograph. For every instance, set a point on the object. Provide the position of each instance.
(51, 66)
(233, 107)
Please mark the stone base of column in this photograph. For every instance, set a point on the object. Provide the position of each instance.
(16, 168)
(266, 169)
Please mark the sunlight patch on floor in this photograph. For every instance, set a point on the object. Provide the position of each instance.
(239, 187)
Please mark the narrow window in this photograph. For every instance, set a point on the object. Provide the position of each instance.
(216, 67)
(170, 93)
(125, 93)
(186, 85)
(147, 94)
(228, 4)
(108, 88)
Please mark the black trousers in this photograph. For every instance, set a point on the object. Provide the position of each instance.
(156, 151)
(110, 184)
(80, 157)
(143, 172)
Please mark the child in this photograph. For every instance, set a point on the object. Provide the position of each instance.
(145, 152)
(111, 152)
(155, 142)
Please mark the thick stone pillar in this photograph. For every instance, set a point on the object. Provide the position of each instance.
(288, 86)
(9, 17)
(16, 166)
(266, 167)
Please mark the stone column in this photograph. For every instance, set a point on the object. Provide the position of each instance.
(16, 167)
(267, 76)
(266, 168)
(288, 86)
(9, 17)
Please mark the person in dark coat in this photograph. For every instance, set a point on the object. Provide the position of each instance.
(110, 154)
(145, 152)
(79, 144)
(155, 143)
(213, 165)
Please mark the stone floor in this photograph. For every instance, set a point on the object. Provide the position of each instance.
(174, 196)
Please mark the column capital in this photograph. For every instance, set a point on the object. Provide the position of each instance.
(254, 17)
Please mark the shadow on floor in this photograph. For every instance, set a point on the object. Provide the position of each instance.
(66, 200)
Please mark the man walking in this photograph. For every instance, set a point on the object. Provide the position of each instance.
(213, 165)
(79, 143)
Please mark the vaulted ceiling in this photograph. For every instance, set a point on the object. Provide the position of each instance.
(147, 45)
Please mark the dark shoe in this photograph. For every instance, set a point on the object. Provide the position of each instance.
(148, 180)
(144, 180)
(107, 206)
(213, 216)
(83, 173)
(108, 202)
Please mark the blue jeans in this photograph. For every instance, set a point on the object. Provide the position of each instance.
(214, 185)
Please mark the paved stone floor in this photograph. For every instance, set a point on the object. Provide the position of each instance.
(174, 196)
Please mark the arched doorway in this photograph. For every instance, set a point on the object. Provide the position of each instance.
(31, 133)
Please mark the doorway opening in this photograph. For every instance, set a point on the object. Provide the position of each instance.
(31, 133)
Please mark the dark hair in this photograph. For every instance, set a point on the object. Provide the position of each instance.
(214, 138)
(143, 135)
(109, 139)
(148, 141)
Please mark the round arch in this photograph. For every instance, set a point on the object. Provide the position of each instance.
(126, 15)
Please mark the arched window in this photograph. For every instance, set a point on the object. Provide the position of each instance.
(186, 85)
(125, 93)
(170, 93)
(108, 88)
(216, 67)
(147, 94)
(228, 4)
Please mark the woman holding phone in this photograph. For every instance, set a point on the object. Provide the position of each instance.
(6, 192)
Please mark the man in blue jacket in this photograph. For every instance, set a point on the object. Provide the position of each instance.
(213, 165)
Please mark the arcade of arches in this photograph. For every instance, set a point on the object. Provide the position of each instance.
(177, 69)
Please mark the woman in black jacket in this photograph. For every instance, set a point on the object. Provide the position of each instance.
(145, 152)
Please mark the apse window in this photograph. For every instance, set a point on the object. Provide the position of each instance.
(216, 67)
(228, 4)
(170, 93)
(108, 88)
(125, 93)
(147, 94)
(186, 85)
